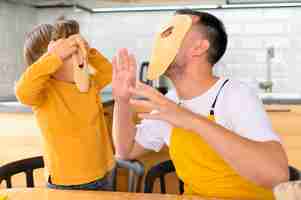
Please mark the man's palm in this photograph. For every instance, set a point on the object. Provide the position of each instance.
(124, 75)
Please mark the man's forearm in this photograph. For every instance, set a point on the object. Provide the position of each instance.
(123, 129)
(262, 162)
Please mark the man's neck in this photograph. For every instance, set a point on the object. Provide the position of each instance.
(194, 83)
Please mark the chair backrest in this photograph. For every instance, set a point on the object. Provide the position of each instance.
(159, 171)
(162, 169)
(294, 174)
(136, 173)
(26, 166)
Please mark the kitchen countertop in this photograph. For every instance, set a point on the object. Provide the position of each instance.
(12, 106)
(281, 98)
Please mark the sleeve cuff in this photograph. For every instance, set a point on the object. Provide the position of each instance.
(94, 53)
(145, 142)
(271, 136)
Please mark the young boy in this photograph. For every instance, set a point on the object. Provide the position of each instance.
(78, 151)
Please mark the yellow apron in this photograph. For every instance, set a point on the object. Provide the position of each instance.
(204, 172)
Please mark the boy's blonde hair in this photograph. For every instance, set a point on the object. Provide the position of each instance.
(64, 28)
(36, 43)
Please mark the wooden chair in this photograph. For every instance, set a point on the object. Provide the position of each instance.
(27, 166)
(166, 167)
(160, 171)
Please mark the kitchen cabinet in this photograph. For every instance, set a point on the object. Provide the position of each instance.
(286, 121)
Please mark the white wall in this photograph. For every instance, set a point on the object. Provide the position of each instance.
(15, 20)
(251, 31)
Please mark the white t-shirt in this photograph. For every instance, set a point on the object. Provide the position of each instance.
(237, 109)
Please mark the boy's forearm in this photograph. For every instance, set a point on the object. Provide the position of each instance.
(124, 130)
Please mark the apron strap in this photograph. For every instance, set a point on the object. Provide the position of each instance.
(218, 94)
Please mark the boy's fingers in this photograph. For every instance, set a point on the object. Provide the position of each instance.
(82, 47)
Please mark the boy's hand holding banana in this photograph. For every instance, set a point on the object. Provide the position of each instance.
(77, 48)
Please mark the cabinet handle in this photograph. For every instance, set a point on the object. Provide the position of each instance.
(279, 110)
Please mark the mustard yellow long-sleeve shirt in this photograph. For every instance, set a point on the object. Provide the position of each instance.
(76, 142)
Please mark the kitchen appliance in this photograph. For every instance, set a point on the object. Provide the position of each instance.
(158, 84)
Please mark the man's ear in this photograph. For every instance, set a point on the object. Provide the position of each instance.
(201, 47)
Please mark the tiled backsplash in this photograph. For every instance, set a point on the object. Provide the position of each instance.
(251, 32)
(15, 21)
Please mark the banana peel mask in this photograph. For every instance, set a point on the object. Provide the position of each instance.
(167, 44)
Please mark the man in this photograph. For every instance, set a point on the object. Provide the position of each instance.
(220, 139)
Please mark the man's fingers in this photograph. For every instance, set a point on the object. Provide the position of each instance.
(146, 109)
(148, 94)
(146, 105)
(149, 89)
(152, 116)
(121, 58)
(119, 61)
(140, 93)
(132, 65)
(126, 60)
(141, 85)
(114, 63)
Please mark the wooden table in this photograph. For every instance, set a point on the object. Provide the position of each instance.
(48, 194)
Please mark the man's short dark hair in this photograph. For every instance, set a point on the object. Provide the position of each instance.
(215, 32)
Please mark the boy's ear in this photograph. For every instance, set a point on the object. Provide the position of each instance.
(51, 45)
